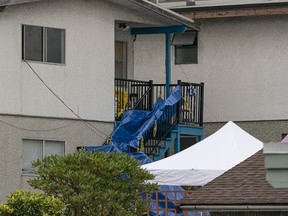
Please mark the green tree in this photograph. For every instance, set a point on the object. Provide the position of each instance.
(95, 183)
(24, 203)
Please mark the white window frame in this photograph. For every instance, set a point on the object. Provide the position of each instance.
(29, 172)
(44, 44)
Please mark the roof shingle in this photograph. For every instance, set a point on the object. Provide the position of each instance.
(245, 184)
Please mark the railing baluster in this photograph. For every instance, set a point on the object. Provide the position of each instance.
(142, 95)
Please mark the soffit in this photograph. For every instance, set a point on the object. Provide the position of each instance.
(14, 2)
(156, 12)
(145, 7)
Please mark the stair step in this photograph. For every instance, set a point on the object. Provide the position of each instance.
(152, 146)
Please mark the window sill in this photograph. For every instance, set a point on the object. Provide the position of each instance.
(29, 174)
(46, 63)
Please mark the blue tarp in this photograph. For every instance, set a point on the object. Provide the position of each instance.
(133, 126)
(136, 123)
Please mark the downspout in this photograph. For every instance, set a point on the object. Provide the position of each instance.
(168, 30)
(168, 64)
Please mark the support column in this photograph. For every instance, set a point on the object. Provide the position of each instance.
(168, 64)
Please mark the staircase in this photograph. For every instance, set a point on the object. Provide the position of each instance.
(186, 117)
(158, 151)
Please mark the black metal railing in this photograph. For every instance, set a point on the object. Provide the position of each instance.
(132, 94)
(192, 105)
(155, 137)
(141, 95)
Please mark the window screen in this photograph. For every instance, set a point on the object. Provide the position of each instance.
(43, 44)
(186, 54)
(54, 148)
(55, 45)
(33, 150)
(33, 41)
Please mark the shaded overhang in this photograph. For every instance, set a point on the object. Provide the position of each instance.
(158, 13)
(144, 7)
(234, 208)
(4, 3)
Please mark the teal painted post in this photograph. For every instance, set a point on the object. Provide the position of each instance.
(177, 143)
(168, 64)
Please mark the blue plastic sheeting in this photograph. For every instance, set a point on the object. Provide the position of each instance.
(170, 196)
(179, 196)
(104, 148)
(135, 123)
(140, 156)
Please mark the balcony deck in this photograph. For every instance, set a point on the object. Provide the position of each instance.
(186, 117)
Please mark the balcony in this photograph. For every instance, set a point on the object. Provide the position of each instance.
(186, 118)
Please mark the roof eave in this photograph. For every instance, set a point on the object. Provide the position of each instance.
(169, 14)
(234, 208)
(229, 7)
(14, 2)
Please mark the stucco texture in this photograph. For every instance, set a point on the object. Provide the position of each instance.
(242, 62)
(15, 128)
(86, 80)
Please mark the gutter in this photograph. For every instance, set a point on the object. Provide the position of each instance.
(229, 7)
(169, 14)
(233, 208)
(15, 2)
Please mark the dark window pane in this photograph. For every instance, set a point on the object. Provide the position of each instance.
(120, 59)
(186, 55)
(55, 45)
(33, 43)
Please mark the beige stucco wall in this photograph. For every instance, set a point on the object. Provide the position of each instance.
(242, 61)
(15, 128)
(85, 82)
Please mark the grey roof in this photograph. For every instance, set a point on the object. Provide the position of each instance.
(244, 185)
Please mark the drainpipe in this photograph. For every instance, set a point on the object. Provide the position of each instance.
(168, 64)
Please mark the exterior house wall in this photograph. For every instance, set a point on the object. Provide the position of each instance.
(86, 81)
(242, 62)
(15, 128)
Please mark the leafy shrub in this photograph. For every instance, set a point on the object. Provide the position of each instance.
(95, 183)
(24, 203)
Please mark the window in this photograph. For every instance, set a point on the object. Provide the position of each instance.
(120, 59)
(186, 48)
(37, 149)
(43, 44)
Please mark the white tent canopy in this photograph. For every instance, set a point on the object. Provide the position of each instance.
(206, 160)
